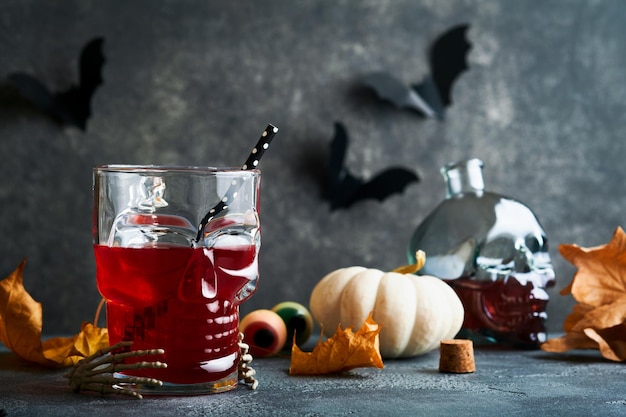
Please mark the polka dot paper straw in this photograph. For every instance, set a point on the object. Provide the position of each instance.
(260, 148)
(251, 163)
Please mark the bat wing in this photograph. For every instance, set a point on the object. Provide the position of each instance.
(448, 60)
(52, 104)
(91, 63)
(77, 100)
(342, 184)
(389, 88)
(35, 92)
(388, 182)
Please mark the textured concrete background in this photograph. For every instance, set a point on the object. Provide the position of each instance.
(195, 82)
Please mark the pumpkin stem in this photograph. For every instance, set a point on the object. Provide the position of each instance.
(420, 260)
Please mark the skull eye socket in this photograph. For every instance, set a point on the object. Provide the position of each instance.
(536, 243)
(498, 251)
(506, 254)
(496, 257)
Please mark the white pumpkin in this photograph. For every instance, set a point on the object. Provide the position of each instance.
(415, 312)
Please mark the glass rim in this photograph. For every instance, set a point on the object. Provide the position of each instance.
(138, 169)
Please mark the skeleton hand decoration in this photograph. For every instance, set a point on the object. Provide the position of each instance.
(96, 372)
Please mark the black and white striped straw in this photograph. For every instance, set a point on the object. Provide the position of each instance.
(251, 163)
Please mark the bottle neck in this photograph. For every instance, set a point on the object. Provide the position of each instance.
(464, 177)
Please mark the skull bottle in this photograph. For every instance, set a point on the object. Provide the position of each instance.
(492, 250)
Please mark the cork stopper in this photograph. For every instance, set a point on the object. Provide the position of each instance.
(456, 356)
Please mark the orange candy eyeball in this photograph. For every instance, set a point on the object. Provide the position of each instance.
(264, 331)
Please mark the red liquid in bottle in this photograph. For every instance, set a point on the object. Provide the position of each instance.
(180, 299)
(506, 310)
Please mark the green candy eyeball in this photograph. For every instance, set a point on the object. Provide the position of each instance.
(297, 319)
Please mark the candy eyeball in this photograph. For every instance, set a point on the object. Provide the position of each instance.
(264, 331)
(297, 319)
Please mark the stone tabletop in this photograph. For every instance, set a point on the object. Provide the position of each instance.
(506, 382)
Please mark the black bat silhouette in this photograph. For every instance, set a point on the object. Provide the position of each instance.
(447, 60)
(344, 189)
(73, 106)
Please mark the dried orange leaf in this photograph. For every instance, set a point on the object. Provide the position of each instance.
(67, 351)
(611, 341)
(20, 318)
(342, 352)
(21, 325)
(577, 314)
(571, 340)
(603, 317)
(601, 275)
(599, 285)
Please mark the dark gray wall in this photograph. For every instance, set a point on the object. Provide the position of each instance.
(195, 82)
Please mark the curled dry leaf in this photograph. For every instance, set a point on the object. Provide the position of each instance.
(599, 286)
(21, 324)
(342, 352)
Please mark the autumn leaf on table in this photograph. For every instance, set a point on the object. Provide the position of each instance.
(599, 286)
(21, 324)
(342, 352)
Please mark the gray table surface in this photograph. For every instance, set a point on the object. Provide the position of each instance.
(506, 382)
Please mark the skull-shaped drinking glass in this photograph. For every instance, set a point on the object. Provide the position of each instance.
(492, 250)
(169, 285)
